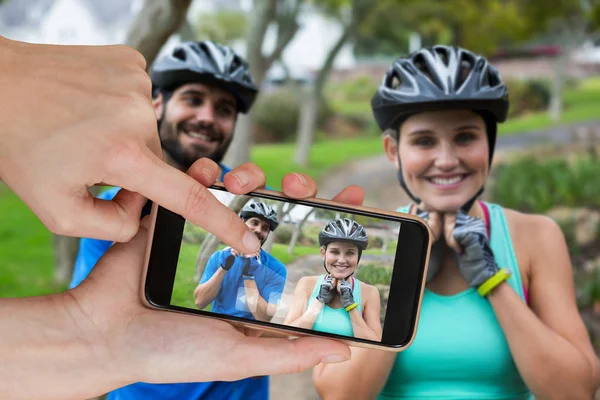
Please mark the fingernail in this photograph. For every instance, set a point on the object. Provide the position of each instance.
(242, 177)
(334, 358)
(250, 241)
(301, 178)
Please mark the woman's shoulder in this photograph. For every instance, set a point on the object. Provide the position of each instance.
(533, 232)
(308, 280)
(368, 289)
(525, 223)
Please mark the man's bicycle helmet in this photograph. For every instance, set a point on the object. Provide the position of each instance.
(440, 78)
(262, 211)
(206, 61)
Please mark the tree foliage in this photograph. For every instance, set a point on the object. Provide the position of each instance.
(222, 27)
(479, 25)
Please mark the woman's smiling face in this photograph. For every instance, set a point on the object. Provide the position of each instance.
(341, 259)
(444, 156)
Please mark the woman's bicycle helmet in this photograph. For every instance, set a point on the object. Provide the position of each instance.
(440, 78)
(344, 230)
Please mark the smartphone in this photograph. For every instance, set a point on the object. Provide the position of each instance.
(350, 273)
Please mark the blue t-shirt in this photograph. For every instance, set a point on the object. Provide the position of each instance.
(230, 300)
(90, 251)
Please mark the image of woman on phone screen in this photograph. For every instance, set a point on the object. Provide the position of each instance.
(336, 302)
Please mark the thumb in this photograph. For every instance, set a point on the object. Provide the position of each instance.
(449, 224)
(435, 223)
(286, 356)
(115, 220)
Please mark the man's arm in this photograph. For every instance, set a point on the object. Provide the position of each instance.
(210, 283)
(258, 306)
(261, 308)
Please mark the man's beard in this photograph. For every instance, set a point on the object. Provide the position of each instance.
(169, 136)
(261, 239)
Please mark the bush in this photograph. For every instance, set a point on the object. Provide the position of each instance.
(360, 88)
(277, 114)
(528, 96)
(284, 232)
(374, 274)
(193, 234)
(375, 242)
(536, 186)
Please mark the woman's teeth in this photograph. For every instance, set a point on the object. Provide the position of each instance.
(447, 181)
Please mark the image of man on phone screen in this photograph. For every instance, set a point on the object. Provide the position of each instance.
(242, 286)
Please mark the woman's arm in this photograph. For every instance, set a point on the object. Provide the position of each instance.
(368, 327)
(549, 342)
(361, 377)
(300, 316)
(365, 374)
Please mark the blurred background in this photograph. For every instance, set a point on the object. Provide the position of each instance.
(318, 63)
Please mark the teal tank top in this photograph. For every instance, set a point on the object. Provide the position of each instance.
(460, 351)
(335, 320)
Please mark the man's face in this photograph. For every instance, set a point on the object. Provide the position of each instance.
(259, 227)
(197, 121)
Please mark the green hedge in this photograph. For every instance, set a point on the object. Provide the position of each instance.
(533, 185)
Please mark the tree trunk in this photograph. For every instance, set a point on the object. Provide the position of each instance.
(268, 246)
(210, 243)
(65, 252)
(557, 85)
(154, 24)
(313, 99)
(309, 111)
(265, 12)
(386, 240)
(239, 150)
(297, 232)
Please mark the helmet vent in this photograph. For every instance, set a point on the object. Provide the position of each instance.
(464, 70)
(180, 54)
(443, 54)
(235, 64)
(396, 81)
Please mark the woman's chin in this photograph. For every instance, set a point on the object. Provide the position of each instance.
(446, 204)
(341, 274)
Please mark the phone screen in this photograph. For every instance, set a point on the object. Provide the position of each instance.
(318, 269)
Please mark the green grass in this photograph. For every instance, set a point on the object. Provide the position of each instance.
(26, 257)
(580, 104)
(279, 159)
(183, 290)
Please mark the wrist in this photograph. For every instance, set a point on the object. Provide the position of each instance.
(49, 340)
(490, 284)
(107, 351)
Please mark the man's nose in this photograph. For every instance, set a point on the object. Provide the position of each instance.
(206, 113)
